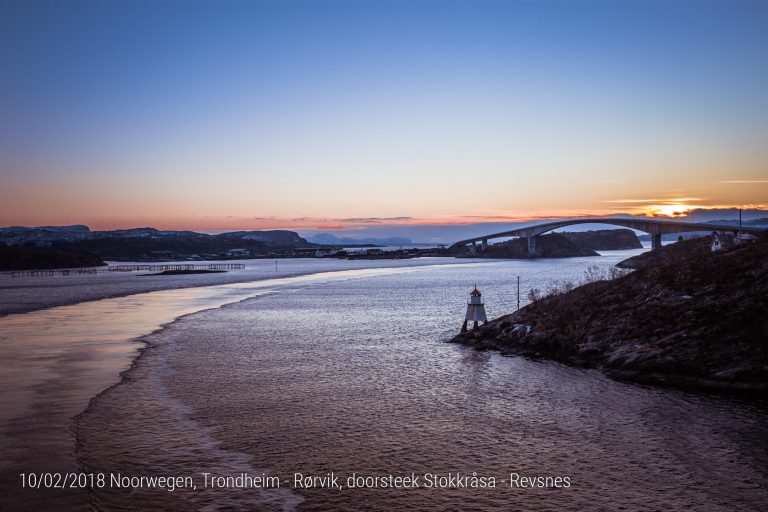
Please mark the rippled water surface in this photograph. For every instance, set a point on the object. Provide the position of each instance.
(351, 373)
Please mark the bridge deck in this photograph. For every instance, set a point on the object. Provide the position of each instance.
(651, 226)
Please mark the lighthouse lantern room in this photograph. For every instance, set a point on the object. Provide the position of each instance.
(475, 310)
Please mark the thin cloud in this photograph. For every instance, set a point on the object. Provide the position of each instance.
(529, 215)
(622, 201)
(742, 182)
(665, 200)
(376, 220)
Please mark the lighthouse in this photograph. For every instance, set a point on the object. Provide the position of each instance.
(475, 310)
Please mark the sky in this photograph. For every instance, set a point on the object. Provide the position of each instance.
(346, 116)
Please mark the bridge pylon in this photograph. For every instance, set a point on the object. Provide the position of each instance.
(655, 241)
(531, 246)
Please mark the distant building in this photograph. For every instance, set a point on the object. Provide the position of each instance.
(744, 238)
(160, 255)
(327, 251)
(238, 253)
(721, 241)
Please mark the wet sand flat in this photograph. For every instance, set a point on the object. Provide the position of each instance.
(22, 294)
(56, 360)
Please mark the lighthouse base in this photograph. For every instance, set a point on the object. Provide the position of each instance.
(474, 326)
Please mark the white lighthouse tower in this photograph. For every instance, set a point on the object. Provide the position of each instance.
(475, 310)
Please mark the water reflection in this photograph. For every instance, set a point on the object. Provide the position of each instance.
(348, 371)
(354, 376)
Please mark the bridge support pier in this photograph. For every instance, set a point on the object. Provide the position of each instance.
(531, 246)
(655, 241)
(485, 244)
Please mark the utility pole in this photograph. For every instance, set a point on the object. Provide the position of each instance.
(739, 220)
(518, 293)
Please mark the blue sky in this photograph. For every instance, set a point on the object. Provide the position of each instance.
(229, 115)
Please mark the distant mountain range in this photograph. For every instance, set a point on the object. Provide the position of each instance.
(327, 239)
(150, 243)
(735, 222)
(42, 235)
(45, 235)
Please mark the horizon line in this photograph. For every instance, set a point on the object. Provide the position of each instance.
(358, 223)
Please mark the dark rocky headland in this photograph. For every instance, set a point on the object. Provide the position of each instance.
(685, 317)
(141, 244)
(30, 257)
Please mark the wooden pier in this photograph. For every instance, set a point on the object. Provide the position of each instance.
(54, 272)
(174, 266)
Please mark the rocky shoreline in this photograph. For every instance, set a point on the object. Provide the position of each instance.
(685, 317)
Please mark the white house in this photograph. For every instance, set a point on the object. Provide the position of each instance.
(238, 253)
(722, 241)
(744, 238)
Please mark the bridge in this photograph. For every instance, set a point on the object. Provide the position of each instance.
(654, 227)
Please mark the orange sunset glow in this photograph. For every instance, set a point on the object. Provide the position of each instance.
(360, 136)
